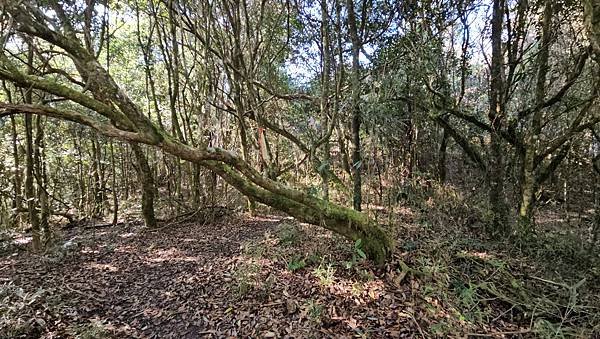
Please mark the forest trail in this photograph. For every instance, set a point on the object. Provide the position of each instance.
(197, 280)
(272, 277)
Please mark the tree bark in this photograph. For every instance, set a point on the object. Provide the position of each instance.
(496, 115)
(356, 119)
(147, 185)
(41, 179)
(17, 183)
(529, 183)
(442, 158)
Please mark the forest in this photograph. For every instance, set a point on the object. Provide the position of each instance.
(299, 168)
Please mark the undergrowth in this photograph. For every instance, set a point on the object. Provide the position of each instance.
(547, 286)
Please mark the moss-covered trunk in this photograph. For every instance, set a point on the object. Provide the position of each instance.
(354, 225)
(127, 122)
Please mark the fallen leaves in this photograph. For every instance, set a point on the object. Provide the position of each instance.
(225, 280)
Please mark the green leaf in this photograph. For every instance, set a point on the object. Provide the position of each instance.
(357, 243)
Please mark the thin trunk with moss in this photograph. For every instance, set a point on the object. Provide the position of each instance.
(356, 119)
(496, 115)
(147, 185)
(529, 176)
(41, 179)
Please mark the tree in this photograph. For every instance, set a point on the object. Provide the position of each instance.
(355, 81)
(116, 115)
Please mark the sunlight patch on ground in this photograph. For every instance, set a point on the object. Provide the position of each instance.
(127, 235)
(125, 249)
(404, 210)
(170, 255)
(360, 292)
(152, 312)
(266, 218)
(21, 240)
(480, 255)
(103, 267)
(88, 250)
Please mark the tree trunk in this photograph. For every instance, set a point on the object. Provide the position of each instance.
(496, 115)
(97, 208)
(356, 120)
(325, 83)
(529, 176)
(29, 188)
(442, 158)
(41, 179)
(29, 162)
(18, 200)
(114, 185)
(147, 182)
(592, 24)
(80, 170)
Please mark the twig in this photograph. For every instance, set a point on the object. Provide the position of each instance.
(87, 295)
(105, 225)
(272, 304)
(412, 317)
(552, 282)
(494, 334)
(503, 313)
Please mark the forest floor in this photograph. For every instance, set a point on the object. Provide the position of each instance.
(272, 277)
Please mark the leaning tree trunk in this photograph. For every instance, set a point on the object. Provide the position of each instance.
(347, 222)
(123, 119)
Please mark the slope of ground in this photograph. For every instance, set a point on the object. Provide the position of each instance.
(272, 277)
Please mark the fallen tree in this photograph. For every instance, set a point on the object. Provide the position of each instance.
(111, 112)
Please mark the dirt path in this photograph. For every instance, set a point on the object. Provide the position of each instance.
(230, 279)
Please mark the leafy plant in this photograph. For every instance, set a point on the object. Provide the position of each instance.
(325, 274)
(17, 311)
(296, 263)
(254, 250)
(314, 310)
(246, 277)
(358, 254)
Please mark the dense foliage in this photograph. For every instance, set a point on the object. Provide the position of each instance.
(345, 101)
